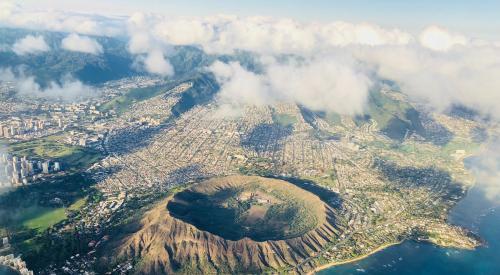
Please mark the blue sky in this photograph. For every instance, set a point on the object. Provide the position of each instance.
(479, 18)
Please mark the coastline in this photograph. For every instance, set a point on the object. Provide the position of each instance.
(328, 265)
(472, 184)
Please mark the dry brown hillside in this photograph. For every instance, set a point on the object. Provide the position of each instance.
(168, 242)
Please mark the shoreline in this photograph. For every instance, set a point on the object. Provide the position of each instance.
(481, 149)
(328, 265)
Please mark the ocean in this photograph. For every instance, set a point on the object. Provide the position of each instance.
(7, 271)
(475, 212)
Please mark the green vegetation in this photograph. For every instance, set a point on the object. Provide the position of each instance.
(33, 217)
(114, 63)
(77, 205)
(28, 213)
(203, 91)
(383, 108)
(325, 135)
(425, 152)
(331, 118)
(45, 218)
(396, 118)
(284, 119)
(326, 181)
(122, 103)
(393, 117)
(71, 157)
(257, 166)
(259, 209)
(459, 144)
(255, 170)
(42, 205)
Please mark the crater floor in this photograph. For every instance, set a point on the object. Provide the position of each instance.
(241, 206)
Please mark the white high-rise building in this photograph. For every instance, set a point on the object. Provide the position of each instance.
(24, 173)
(30, 167)
(6, 132)
(15, 178)
(57, 166)
(45, 167)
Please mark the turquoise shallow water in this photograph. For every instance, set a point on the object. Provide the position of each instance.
(7, 271)
(412, 258)
(418, 258)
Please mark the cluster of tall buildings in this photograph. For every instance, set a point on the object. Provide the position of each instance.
(16, 126)
(17, 171)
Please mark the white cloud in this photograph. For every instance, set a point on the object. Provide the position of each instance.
(266, 35)
(467, 76)
(333, 67)
(7, 8)
(30, 44)
(438, 66)
(152, 52)
(486, 168)
(326, 84)
(68, 88)
(448, 70)
(439, 39)
(240, 87)
(141, 38)
(6, 74)
(5, 48)
(78, 43)
(216, 34)
(156, 63)
(14, 15)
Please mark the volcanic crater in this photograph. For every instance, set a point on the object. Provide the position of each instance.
(232, 224)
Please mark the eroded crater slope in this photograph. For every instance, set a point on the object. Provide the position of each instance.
(234, 224)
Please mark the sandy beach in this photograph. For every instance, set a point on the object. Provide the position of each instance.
(325, 266)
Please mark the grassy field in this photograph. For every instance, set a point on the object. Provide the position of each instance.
(26, 214)
(27, 226)
(29, 207)
(37, 217)
(424, 151)
(45, 218)
(71, 156)
(78, 204)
